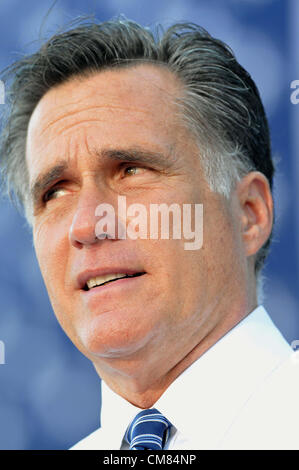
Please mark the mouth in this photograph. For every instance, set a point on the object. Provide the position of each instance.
(107, 279)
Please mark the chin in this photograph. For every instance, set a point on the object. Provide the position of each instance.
(111, 343)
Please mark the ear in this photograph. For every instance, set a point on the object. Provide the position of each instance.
(256, 206)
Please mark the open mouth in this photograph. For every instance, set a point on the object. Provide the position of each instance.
(103, 280)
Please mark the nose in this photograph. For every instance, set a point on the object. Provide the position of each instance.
(82, 230)
(94, 218)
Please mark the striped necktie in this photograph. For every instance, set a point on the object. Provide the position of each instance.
(148, 430)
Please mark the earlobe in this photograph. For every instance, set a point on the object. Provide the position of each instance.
(256, 211)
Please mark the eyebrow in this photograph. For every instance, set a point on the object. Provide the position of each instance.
(44, 181)
(135, 155)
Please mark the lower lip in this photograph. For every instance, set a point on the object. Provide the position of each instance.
(123, 284)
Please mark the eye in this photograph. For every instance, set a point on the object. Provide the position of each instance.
(132, 170)
(53, 193)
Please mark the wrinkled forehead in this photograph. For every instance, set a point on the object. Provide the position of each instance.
(144, 88)
(118, 97)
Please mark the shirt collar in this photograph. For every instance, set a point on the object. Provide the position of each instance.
(214, 388)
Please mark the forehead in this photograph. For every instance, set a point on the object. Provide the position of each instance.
(114, 100)
(141, 89)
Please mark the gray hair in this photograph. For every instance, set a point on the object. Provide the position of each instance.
(220, 104)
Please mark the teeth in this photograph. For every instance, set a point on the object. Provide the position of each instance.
(96, 281)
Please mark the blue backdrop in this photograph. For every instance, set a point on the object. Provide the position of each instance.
(49, 392)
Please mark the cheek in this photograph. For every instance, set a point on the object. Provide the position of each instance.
(222, 249)
(50, 242)
(52, 253)
(183, 279)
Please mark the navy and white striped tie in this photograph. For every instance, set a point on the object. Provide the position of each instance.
(148, 430)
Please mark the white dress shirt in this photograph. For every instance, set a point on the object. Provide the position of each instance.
(242, 393)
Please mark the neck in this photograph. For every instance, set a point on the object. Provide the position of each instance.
(145, 385)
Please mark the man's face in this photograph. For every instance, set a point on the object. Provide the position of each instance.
(83, 135)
